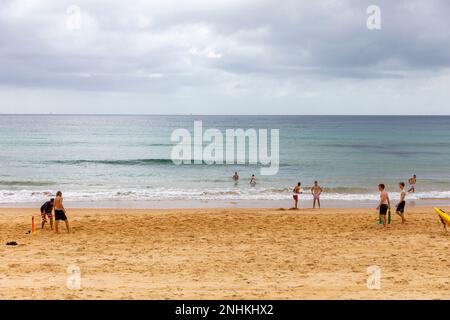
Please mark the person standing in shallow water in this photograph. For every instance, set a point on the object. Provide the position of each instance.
(236, 177)
(253, 180)
(60, 212)
(412, 183)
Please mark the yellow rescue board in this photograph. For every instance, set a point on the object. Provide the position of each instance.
(444, 216)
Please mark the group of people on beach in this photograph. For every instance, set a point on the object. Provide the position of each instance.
(384, 205)
(316, 191)
(56, 206)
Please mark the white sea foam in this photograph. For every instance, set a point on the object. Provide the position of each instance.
(26, 196)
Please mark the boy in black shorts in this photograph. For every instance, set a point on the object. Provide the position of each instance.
(60, 212)
(384, 204)
(401, 204)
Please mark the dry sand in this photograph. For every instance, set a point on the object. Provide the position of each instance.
(225, 254)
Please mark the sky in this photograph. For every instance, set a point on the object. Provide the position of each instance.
(225, 57)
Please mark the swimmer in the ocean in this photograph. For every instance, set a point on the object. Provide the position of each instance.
(253, 180)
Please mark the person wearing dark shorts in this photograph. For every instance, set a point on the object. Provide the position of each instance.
(60, 215)
(402, 203)
(401, 207)
(384, 203)
(384, 209)
(46, 212)
(60, 212)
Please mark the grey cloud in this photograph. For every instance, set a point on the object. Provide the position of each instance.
(147, 46)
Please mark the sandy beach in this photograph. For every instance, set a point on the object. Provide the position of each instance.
(225, 254)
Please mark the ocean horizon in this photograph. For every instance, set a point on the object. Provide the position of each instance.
(118, 159)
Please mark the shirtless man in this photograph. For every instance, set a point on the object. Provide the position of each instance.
(297, 190)
(401, 204)
(412, 183)
(316, 191)
(236, 177)
(60, 212)
(253, 180)
(385, 203)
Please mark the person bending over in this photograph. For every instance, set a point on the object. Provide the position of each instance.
(46, 212)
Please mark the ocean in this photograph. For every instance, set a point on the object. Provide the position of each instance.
(125, 160)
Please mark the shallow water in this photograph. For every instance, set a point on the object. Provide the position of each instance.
(127, 158)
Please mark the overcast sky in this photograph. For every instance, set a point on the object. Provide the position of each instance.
(224, 57)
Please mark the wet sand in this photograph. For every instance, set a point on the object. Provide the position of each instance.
(225, 254)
